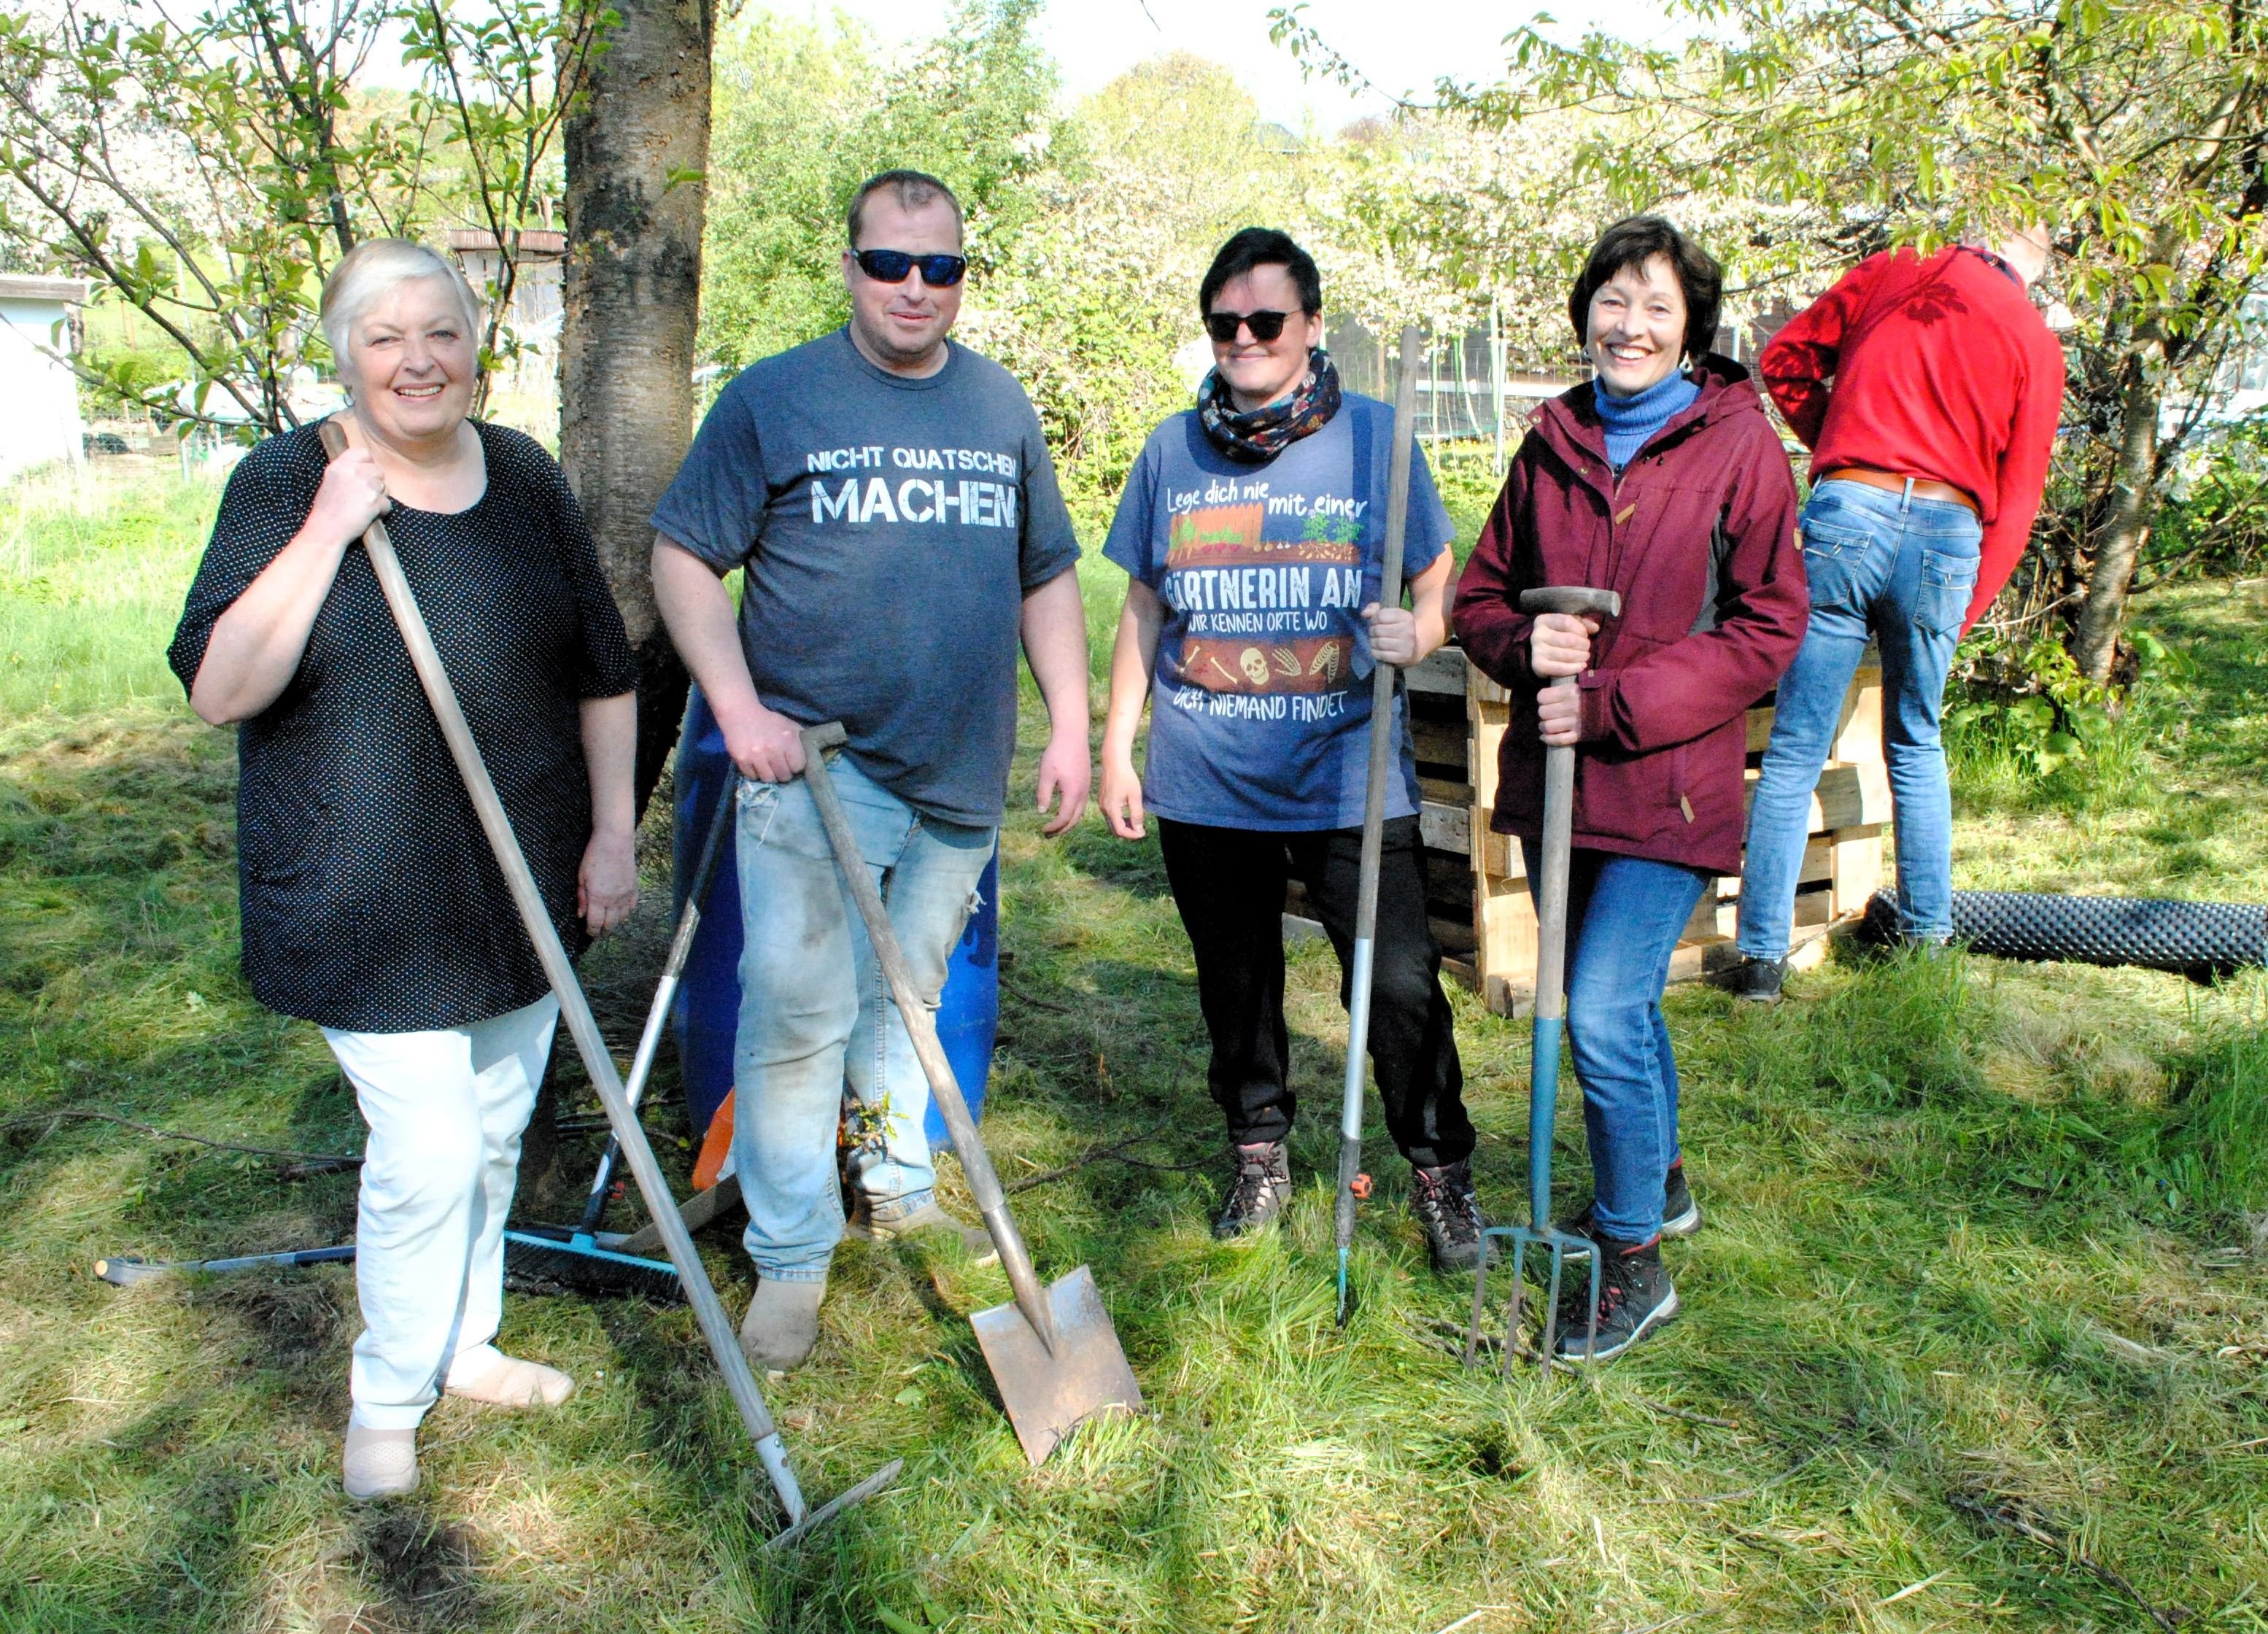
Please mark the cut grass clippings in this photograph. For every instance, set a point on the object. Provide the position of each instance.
(1977, 1331)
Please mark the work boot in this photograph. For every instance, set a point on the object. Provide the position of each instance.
(1681, 1215)
(781, 1324)
(1635, 1299)
(379, 1463)
(1449, 1214)
(1256, 1196)
(930, 1217)
(1759, 980)
(486, 1374)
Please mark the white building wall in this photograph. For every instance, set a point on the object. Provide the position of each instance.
(40, 419)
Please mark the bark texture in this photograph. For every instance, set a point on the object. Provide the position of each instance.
(2118, 541)
(632, 300)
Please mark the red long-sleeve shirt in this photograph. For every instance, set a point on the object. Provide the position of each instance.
(1941, 369)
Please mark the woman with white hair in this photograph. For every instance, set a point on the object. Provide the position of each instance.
(371, 905)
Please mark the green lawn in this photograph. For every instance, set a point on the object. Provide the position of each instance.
(1977, 1331)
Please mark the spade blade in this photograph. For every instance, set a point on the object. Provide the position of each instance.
(1049, 1394)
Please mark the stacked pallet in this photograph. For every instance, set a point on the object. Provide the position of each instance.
(1479, 894)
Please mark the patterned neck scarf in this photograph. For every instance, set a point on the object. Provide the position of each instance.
(1267, 431)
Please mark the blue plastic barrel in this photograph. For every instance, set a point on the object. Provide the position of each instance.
(707, 1005)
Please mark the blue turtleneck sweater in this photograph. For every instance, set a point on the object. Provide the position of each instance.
(1629, 421)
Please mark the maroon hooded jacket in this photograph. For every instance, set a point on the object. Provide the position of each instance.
(1699, 536)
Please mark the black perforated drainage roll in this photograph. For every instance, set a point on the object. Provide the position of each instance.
(2199, 939)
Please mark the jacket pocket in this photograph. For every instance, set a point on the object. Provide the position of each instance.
(1625, 794)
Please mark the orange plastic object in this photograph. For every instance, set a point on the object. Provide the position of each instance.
(715, 1145)
(1361, 1186)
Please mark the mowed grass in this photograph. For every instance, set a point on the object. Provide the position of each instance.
(1977, 1332)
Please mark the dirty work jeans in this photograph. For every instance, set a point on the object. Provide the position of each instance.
(1900, 570)
(445, 1109)
(816, 1014)
(1624, 915)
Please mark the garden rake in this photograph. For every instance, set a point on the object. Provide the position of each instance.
(1540, 1234)
(575, 1009)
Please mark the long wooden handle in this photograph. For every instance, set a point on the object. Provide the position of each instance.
(582, 1027)
(921, 1027)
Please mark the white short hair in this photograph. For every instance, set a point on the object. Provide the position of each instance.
(368, 271)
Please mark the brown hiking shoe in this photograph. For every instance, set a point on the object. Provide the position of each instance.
(1258, 1194)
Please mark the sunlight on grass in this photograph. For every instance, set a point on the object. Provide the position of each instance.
(1985, 1244)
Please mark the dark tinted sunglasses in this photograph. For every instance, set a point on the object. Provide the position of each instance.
(891, 267)
(1265, 326)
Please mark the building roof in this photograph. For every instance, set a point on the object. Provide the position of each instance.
(16, 286)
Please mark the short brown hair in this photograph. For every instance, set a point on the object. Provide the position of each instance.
(912, 189)
(1635, 240)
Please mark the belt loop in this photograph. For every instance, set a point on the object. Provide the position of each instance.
(1905, 497)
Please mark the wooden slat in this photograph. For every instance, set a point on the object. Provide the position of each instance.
(1849, 796)
(1441, 670)
(1437, 742)
(1444, 827)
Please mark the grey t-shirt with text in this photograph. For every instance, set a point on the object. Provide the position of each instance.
(891, 529)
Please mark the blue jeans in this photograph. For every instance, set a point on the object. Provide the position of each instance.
(816, 1015)
(1624, 915)
(1900, 571)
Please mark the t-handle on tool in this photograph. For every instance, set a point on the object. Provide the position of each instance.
(1052, 1350)
(1550, 1024)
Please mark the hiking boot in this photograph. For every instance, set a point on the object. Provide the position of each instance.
(1681, 1215)
(1256, 1196)
(1635, 1299)
(781, 1324)
(1758, 981)
(1449, 1214)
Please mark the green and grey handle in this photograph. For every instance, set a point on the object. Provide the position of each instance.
(1374, 815)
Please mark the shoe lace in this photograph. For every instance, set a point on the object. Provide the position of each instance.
(1253, 1180)
(1447, 1208)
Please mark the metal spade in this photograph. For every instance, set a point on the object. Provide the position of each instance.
(1053, 1352)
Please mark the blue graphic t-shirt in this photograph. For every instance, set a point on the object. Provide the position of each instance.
(1259, 701)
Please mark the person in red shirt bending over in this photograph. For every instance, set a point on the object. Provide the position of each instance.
(1927, 388)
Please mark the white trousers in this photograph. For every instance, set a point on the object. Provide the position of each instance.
(445, 1109)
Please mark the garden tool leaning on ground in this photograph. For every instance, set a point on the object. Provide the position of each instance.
(1053, 1352)
(715, 1327)
(1551, 1023)
(1354, 1183)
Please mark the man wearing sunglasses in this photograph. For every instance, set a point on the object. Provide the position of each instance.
(890, 497)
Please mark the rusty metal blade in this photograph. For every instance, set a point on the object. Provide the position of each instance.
(1048, 1395)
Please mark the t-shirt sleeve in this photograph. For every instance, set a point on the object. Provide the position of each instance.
(1128, 544)
(1050, 544)
(1428, 530)
(255, 521)
(603, 666)
(715, 506)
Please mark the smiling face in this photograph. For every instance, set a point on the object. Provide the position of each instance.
(412, 362)
(1637, 331)
(1257, 371)
(901, 326)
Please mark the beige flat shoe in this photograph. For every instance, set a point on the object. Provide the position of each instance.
(781, 1324)
(486, 1375)
(379, 1463)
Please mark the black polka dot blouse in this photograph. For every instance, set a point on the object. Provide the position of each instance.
(370, 902)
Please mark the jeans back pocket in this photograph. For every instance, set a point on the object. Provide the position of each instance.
(1942, 599)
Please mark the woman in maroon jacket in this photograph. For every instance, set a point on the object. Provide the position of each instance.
(1660, 479)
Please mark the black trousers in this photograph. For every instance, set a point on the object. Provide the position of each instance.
(1228, 884)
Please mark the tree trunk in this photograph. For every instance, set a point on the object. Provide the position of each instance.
(632, 297)
(2095, 643)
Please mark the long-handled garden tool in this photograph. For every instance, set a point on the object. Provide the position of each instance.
(576, 1257)
(1354, 1183)
(715, 1327)
(1550, 1024)
(1053, 1352)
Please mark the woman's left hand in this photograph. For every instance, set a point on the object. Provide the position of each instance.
(1392, 634)
(606, 888)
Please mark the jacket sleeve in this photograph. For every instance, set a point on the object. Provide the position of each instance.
(1803, 357)
(2023, 473)
(1486, 614)
(1694, 686)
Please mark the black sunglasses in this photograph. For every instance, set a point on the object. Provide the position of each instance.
(1265, 326)
(891, 267)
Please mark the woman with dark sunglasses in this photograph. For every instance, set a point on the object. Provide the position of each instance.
(1252, 531)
